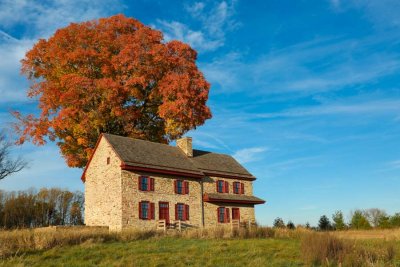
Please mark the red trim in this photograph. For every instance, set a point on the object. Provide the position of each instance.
(207, 198)
(145, 169)
(236, 177)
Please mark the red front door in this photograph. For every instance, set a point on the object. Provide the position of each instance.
(163, 213)
(235, 214)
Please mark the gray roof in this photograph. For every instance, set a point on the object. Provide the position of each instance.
(213, 197)
(141, 153)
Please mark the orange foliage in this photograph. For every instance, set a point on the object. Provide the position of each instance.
(113, 75)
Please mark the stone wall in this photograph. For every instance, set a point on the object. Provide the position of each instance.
(103, 188)
(210, 209)
(164, 192)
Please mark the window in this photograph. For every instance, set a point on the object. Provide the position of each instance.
(146, 183)
(223, 215)
(222, 186)
(181, 187)
(238, 188)
(181, 212)
(108, 160)
(146, 210)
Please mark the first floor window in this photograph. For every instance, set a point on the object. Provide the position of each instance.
(146, 210)
(223, 215)
(181, 212)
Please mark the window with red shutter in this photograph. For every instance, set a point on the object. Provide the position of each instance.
(226, 187)
(241, 188)
(187, 212)
(221, 211)
(145, 183)
(144, 210)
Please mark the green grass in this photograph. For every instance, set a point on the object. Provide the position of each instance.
(169, 252)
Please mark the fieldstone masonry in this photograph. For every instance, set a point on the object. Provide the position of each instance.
(112, 195)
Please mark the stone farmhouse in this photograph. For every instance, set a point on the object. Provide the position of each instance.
(136, 183)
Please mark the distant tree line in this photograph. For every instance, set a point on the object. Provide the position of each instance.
(359, 219)
(32, 208)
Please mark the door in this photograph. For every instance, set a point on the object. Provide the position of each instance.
(235, 214)
(163, 213)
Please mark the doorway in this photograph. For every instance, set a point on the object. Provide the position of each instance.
(163, 213)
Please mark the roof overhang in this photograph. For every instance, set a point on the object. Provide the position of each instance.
(162, 171)
(240, 199)
(228, 175)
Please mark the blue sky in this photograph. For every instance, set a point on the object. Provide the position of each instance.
(304, 93)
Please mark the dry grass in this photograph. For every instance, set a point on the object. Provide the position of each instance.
(385, 234)
(325, 249)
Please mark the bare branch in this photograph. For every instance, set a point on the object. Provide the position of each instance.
(8, 165)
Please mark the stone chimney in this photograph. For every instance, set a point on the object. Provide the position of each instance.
(185, 144)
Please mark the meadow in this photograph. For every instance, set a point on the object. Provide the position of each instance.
(262, 246)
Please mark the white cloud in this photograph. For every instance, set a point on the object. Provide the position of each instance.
(249, 154)
(215, 20)
(315, 66)
(44, 17)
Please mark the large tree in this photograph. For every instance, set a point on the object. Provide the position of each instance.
(112, 75)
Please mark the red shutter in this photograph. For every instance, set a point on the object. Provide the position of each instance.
(227, 217)
(151, 216)
(218, 210)
(241, 188)
(140, 182)
(151, 184)
(226, 187)
(176, 211)
(140, 210)
(175, 187)
(186, 184)
(238, 214)
(187, 212)
(217, 185)
(223, 187)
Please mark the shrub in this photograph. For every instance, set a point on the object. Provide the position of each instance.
(290, 225)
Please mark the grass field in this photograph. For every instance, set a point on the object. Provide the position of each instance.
(270, 248)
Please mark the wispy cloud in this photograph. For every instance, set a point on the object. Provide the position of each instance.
(215, 20)
(43, 17)
(247, 155)
(320, 65)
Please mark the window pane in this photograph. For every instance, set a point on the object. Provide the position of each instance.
(221, 214)
(145, 209)
(144, 183)
(180, 211)
(179, 184)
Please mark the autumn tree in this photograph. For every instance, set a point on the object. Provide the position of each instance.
(112, 75)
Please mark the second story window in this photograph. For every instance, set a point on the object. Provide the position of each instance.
(222, 186)
(238, 188)
(181, 187)
(146, 183)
